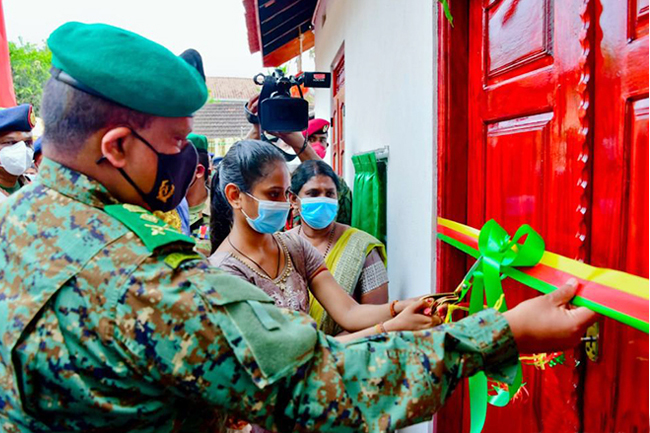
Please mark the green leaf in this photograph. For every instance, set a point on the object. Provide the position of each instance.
(445, 7)
(30, 64)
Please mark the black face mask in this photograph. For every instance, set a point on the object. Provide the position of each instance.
(174, 173)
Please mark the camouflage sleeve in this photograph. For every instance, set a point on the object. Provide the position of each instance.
(214, 338)
(344, 215)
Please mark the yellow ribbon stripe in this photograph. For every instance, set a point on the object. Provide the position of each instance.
(618, 280)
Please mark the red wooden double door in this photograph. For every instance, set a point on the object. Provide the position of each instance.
(544, 120)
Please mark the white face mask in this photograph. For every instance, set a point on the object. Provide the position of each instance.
(17, 158)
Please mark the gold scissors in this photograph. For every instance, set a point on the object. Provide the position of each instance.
(452, 297)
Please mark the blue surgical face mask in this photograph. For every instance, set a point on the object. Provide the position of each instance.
(318, 212)
(271, 215)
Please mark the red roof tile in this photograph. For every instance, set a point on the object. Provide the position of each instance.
(232, 88)
(224, 119)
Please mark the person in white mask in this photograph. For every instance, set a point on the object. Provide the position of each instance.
(16, 147)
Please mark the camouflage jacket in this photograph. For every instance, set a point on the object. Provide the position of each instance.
(6, 192)
(344, 216)
(110, 322)
(200, 227)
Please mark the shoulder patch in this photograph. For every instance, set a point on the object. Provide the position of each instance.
(174, 260)
(150, 229)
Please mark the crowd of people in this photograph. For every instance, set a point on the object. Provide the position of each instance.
(145, 288)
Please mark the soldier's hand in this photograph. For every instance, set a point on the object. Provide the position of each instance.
(549, 323)
(253, 103)
(294, 139)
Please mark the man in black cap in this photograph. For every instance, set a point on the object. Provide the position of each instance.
(16, 147)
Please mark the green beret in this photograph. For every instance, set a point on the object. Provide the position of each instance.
(200, 142)
(126, 68)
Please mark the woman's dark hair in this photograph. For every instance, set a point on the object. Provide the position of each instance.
(310, 169)
(245, 164)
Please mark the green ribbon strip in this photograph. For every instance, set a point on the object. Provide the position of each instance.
(497, 251)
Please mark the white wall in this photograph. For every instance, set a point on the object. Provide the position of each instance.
(389, 97)
(390, 49)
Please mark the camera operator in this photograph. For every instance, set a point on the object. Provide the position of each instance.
(296, 142)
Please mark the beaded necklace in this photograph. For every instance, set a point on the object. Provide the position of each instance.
(280, 280)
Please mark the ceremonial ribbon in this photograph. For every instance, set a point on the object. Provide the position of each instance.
(615, 294)
(497, 250)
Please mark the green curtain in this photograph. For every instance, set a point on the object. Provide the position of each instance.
(369, 202)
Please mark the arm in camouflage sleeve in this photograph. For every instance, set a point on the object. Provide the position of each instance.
(217, 339)
(344, 215)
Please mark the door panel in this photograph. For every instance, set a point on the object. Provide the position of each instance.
(636, 220)
(616, 386)
(506, 50)
(524, 141)
(515, 203)
(638, 23)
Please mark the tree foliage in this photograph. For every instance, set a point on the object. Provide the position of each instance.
(30, 65)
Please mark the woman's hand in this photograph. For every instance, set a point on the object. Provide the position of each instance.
(548, 323)
(402, 305)
(412, 318)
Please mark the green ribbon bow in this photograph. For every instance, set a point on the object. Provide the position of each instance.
(497, 250)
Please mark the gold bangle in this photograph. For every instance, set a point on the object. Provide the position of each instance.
(393, 313)
(380, 329)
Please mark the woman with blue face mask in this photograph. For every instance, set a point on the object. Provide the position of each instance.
(249, 207)
(356, 259)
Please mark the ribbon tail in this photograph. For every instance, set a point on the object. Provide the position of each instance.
(478, 393)
(493, 290)
(502, 398)
(477, 294)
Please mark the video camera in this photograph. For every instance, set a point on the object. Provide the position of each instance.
(277, 110)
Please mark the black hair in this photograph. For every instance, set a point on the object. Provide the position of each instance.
(71, 116)
(204, 159)
(310, 169)
(244, 165)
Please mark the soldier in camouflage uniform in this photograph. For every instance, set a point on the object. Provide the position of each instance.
(198, 196)
(111, 322)
(316, 136)
(16, 148)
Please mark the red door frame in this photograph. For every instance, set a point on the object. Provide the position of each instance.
(338, 111)
(453, 47)
(453, 51)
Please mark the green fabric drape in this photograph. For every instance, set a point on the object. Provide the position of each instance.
(369, 204)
